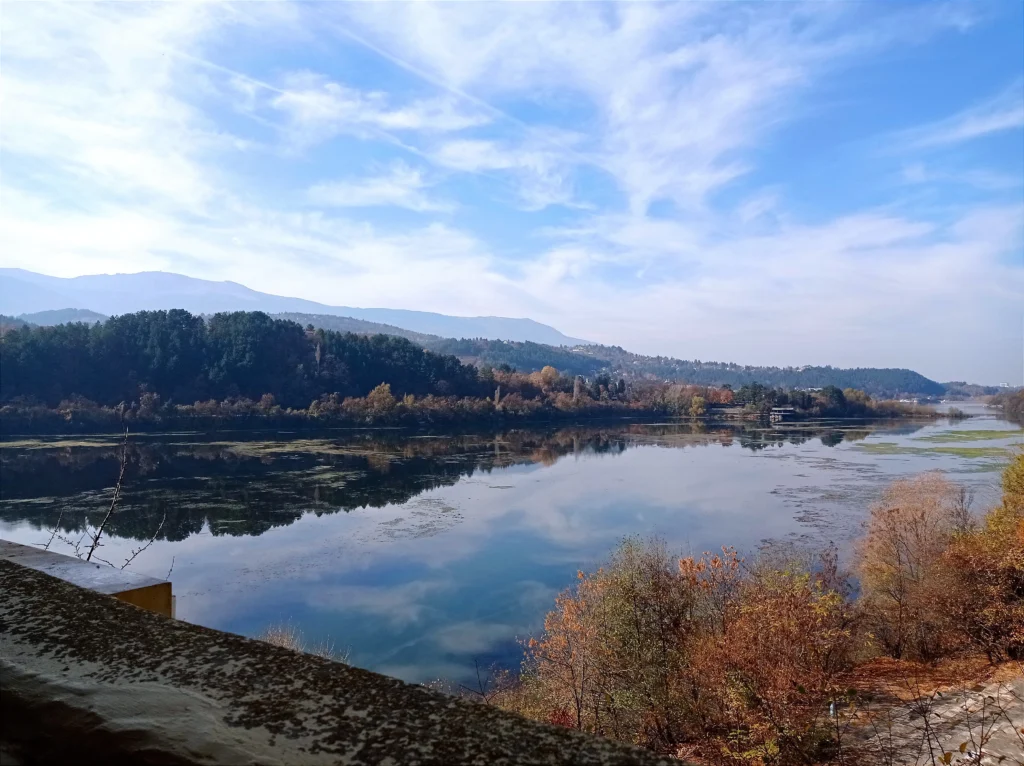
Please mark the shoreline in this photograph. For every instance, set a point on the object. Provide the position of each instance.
(54, 423)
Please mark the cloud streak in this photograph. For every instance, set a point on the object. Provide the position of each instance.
(401, 186)
(999, 114)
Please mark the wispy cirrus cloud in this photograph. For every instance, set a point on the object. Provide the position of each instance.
(542, 175)
(401, 186)
(317, 108)
(998, 114)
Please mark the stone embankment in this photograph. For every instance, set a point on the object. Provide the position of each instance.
(89, 679)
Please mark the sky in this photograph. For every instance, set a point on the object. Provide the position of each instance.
(768, 183)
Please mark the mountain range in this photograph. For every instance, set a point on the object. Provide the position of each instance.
(25, 293)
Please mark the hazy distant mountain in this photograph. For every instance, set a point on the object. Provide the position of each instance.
(358, 326)
(62, 316)
(25, 292)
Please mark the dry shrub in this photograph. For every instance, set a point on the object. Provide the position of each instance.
(612, 654)
(904, 579)
(664, 653)
(987, 601)
(288, 636)
(282, 634)
(934, 583)
(771, 674)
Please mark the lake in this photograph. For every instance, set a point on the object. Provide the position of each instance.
(423, 553)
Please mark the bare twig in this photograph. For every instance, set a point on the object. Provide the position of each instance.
(139, 550)
(483, 685)
(117, 494)
(56, 527)
(170, 569)
(75, 545)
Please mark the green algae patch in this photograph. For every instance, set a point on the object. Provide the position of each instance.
(111, 441)
(971, 453)
(977, 435)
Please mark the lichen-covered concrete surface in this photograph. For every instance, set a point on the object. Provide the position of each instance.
(85, 679)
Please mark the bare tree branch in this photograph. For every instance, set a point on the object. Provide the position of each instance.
(56, 527)
(139, 550)
(117, 493)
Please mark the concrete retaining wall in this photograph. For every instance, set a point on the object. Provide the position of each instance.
(88, 679)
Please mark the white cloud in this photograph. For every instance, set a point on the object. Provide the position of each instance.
(472, 638)
(318, 109)
(672, 92)
(1000, 113)
(542, 176)
(979, 178)
(104, 114)
(402, 186)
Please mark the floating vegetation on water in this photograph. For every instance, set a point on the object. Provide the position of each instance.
(982, 466)
(892, 448)
(85, 441)
(424, 517)
(976, 435)
(303, 446)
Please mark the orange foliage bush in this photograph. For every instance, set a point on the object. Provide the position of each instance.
(770, 674)
(900, 562)
(987, 599)
(660, 653)
(741, 664)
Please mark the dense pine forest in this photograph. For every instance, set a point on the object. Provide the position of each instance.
(182, 358)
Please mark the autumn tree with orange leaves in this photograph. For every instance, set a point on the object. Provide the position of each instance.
(733, 662)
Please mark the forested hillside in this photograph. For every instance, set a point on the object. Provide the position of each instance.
(181, 357)
(526, 357)
(185, 358)
(175, 369)
(876, 381)
(617, 362)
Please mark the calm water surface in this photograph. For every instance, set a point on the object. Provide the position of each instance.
(423, 553)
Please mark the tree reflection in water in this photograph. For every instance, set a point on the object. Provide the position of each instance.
(270, 480)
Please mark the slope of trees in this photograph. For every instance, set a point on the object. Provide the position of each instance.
(617, 362)
(172, 368)
(883, 382)
(181, 357)
(359, 326)
(525, 356)
(960, 389)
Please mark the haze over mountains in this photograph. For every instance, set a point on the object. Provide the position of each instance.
(26, 292)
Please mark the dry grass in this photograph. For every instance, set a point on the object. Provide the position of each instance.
(288, 636)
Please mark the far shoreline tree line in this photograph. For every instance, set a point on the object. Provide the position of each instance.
(171, 367)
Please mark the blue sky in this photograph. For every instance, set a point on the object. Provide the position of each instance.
(765, 183)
